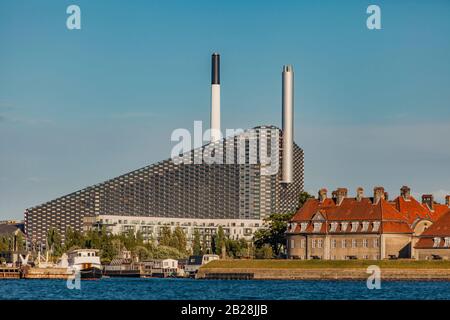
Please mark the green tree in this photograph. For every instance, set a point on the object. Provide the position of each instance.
(107, 249)
(54, 242)
(165, 236)
(4, 243)
(274, 235)
(74, 239)
(196, 245)
(20, 242)
(265, 252)
(236, 248)
(164, 252)
(178, 240)
(220, 240)
(205, 248)
(303, 197)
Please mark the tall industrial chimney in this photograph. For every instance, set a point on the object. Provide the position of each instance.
(288, 124)
(215, 97)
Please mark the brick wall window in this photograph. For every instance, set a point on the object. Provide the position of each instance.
(333, 243)
(376, 243)
(319, 243)
(365, 243)
(344, 243)
(353, 243)
(313, 243)
(303, 243)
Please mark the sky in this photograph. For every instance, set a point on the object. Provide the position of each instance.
(77, 107)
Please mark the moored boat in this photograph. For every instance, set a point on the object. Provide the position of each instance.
(86, 262)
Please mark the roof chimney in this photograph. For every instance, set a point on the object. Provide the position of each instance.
(447, 200)
(288, 123)
(322, 194)
(341, 194)
(405, 192)
(428, 199)
(378, 194)
(359, 194)
(215, 97)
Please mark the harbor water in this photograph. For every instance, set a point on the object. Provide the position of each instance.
(190, 289)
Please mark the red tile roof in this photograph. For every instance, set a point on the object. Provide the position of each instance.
(414, 210)
(439, 229)
(352, 210)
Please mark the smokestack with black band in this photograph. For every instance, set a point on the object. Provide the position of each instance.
(215, 97)
(288, 124)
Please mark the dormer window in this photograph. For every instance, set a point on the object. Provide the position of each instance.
(292, 226)
(365, 226)
(303, 226)
(355, 226)
(447, 242)
(376, 226)
(344, 226)
(317, 226)
(437, 242)
(333, 226)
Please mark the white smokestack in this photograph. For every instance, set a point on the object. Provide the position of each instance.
(215, 98)
(288, 124)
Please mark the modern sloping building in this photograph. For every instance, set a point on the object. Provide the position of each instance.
(236, 192)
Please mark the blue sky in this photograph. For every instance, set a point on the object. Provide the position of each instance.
(78, 107)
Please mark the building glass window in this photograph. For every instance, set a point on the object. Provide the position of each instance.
(353, 243)
(447, 242)
(317, 226)
(365, 226)
(303, 226)
(333, 226)
(344, 243)
(376, 226)
(333, 243)
(376, 243)
(319, 243)
(303, 243)
(437, 242)
(365, 243)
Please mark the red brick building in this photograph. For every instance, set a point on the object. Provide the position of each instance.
(434, 243)
(360, 227)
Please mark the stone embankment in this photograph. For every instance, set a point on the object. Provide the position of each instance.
(322, 274)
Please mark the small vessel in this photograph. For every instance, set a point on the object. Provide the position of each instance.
(123, 266)
(195, 262)
(86, 262)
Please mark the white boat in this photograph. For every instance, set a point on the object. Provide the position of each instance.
(86, 262)
(195, 262)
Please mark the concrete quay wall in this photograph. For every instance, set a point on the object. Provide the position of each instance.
(322, 274)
